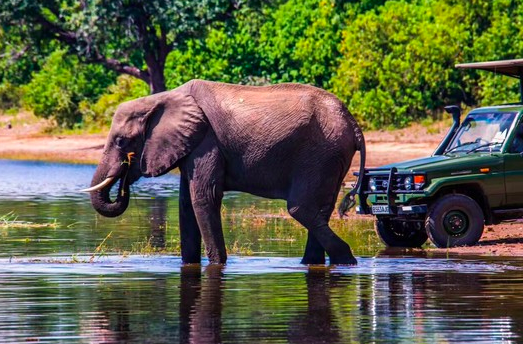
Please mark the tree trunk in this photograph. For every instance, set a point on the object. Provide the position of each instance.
(155, 67)
(156, 80)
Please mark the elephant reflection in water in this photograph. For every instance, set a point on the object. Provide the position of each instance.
(318, 323)
(201, 304)
(158, 222)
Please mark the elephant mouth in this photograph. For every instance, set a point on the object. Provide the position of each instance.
(101, 194)
(108, 183)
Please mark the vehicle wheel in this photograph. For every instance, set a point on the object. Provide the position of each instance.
(455, 220)
(400, 233)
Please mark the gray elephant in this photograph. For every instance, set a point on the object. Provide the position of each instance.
(289, 141)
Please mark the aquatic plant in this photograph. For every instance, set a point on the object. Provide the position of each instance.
(100, 249)
(10, 220)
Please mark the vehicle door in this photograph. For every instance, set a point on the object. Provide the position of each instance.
(513, 160)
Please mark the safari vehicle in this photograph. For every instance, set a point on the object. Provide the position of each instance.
(473, 178)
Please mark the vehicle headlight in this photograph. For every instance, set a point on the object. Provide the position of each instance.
(419, 182)
(408, 183)
(372, 184)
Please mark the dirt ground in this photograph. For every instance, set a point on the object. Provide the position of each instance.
(20, 140)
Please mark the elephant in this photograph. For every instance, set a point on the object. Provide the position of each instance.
(287, 141)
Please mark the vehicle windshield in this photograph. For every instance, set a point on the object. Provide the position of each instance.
(482, 132)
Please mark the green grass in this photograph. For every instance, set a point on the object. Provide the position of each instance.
(10, 220)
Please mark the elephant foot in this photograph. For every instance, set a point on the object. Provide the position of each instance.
(348, 259)
(191, 259)
(217, 260)
(313, 260)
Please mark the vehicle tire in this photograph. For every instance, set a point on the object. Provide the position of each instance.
(396, 233)
(455, 220)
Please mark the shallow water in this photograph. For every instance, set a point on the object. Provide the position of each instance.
(55, 286)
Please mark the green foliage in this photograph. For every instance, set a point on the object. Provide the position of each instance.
(100, 113)
(57, 89)
(9, 96)
(299, 41)
(130, 37)
(228, 53)
(392, 61)
(397, 62)
(501, 39)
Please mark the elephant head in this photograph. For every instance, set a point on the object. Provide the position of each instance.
(148, 137)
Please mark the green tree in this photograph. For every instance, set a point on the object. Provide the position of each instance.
(127, 36)
(299, 41)
(228, 53)
(100, 112)
(497, 25)
(397, 61)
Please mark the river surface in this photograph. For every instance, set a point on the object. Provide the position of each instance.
(68, 275)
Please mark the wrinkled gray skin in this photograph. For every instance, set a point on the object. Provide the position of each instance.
(288, 141)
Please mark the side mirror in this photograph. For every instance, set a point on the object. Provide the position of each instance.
(455, 111)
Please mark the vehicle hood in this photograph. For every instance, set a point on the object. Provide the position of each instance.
(450, 164)
(415, 163)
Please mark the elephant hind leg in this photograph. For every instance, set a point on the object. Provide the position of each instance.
(316, 222)
(314, 252)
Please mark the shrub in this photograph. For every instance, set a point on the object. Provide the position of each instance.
(57, 89)
(397, 62)
(10, 96)
(100, 113)
(299, 41)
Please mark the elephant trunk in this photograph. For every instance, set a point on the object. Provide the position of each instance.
(101, 200)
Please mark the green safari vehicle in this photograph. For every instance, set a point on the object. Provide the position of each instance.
(473, 178)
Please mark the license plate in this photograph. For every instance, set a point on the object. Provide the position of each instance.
(380, 209)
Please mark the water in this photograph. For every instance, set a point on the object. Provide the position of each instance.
(65, 284)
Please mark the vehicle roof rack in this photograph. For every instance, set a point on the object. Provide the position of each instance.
(512, 68)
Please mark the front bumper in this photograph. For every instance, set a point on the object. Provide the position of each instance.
(391, 189)
(385, 209)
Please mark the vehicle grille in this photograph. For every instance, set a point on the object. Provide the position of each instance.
(382, 183)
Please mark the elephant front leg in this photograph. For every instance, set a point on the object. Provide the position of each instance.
(205, 173)
(208, 215)
(191, 239)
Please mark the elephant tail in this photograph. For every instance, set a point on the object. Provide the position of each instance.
(350, 198)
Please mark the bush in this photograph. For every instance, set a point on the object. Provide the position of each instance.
(228, 53)
(58, 88)
(299, 41)
(397, 62)
(498, 40)
(100, 113)
(10, 96)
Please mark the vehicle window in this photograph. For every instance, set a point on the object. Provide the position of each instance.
(482, 132)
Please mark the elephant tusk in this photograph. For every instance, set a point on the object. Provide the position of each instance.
(99, 186)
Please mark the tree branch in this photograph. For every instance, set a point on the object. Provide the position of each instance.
(119, 67)
(70, 38)
(67, 37)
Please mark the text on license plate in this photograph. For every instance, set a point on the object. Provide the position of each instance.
(380, 209)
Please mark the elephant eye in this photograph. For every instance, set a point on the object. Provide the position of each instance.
(121, 142)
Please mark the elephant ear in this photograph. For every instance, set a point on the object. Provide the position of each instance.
(174, 126)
